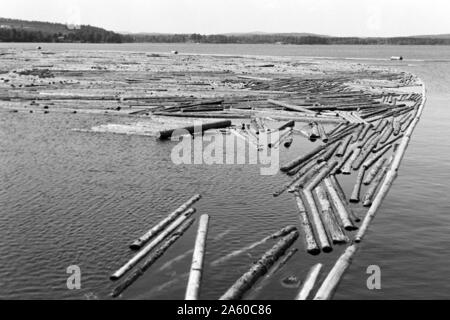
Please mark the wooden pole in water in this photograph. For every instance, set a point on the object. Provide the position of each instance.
(152, 258)
(278, 234)
(347, 167)
(272, 271)
(318, 225)
(193, 287)
(329, 153)
(167, 134)
(310, 240)
(137, 244)
(373, 172)
(246, 281)
(141, 254)
(336, 233)
(339, 205)
(374, 158)
(305, 179)
(393, 171)
(310, 282)
(357, 189)
(337, 186)
(343, 147)
(331, 282)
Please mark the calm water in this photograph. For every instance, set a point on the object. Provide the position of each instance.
(69, 198)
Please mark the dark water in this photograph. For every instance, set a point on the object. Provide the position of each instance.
(73, 198)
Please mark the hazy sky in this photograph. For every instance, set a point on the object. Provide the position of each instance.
(331, 17)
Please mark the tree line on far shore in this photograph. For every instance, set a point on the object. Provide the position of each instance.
(86, 34)
(89, 34)
(287, 39)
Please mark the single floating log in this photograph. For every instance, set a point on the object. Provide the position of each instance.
(372, 173)
(141, 254)
(246, 281)
(152, 258)
(310, 240)
(195, 276)
(273, 271)
(340, 152)
(290, 106)
(136, 245)
(339, 206)
(167, 134)
(283, 232)
(337, 186)
(310, 282)
(357, 189)
(331, 282)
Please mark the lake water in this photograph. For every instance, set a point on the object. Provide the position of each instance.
(79, 198)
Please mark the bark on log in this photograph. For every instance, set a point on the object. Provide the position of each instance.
(310, 240)
(167, 134)
(195, 276)
(137, 244)
(334, 229)
(339, 206)
(281, 233)
(331, 282)
(152, 258)
(246, 281)
(150, 246)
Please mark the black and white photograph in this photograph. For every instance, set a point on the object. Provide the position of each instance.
(220, 150)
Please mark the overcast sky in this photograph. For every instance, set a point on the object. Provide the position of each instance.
(330, 17)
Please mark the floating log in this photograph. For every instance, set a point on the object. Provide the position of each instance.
(376, 184)
(296, 162)
(364, 132)
(167, 134)
(281, 136)
(331, 282)
(341, 210)
(372, 173)
(337, 186)
(344, 160)
(314, 131)
(195, 276)
(289, 124)
(318, 225)
(300, 183)
(246, 281)
(374, 158)
(357, 133)
(336, 233)
(388, 143)
(290, 106)
(329, 153)
(137, 244)
(346, 168)
(310, 282)
(283, 232)
(357, 189)
(340, 152)
(387, 134)
(279, 264)
(311, 244)
(150, 246)
(152, 258)
(323, 135)
(392, 173)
